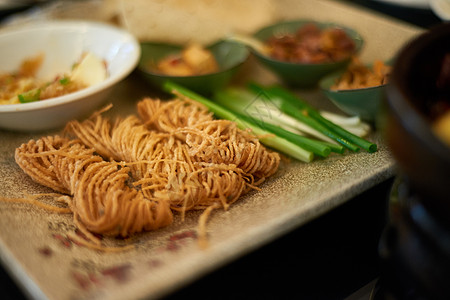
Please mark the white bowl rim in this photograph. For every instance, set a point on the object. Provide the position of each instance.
(61, 100)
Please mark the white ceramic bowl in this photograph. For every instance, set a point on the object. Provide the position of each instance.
(441, 8)
(62, 43)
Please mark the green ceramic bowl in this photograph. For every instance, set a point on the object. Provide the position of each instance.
(229, 55)
(299, 74)
(364, 102)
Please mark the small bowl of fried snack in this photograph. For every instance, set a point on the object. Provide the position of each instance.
(359, 89)
(301, 52)
(202, 69)
(55, 71)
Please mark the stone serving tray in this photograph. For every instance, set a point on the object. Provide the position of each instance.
(37, 251)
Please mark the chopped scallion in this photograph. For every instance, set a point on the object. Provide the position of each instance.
(64, 81)
(29, 96)
(298, 108)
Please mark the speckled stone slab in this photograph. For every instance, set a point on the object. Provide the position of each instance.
(47, 263)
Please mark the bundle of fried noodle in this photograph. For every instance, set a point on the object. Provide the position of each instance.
(102, 201)
(176, 155)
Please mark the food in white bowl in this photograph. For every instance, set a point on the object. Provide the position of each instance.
(62, 43)
(23, 86)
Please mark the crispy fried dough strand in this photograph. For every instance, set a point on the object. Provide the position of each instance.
(218, 141)
(101, 199)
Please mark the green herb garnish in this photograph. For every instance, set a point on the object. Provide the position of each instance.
(64, 80)
(30, 96)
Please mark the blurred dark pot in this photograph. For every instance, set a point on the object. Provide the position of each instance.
(414, 250)
(421, 156)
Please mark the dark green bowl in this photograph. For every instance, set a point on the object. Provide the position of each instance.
(364, 102)
(300, 74)
(229, 56)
